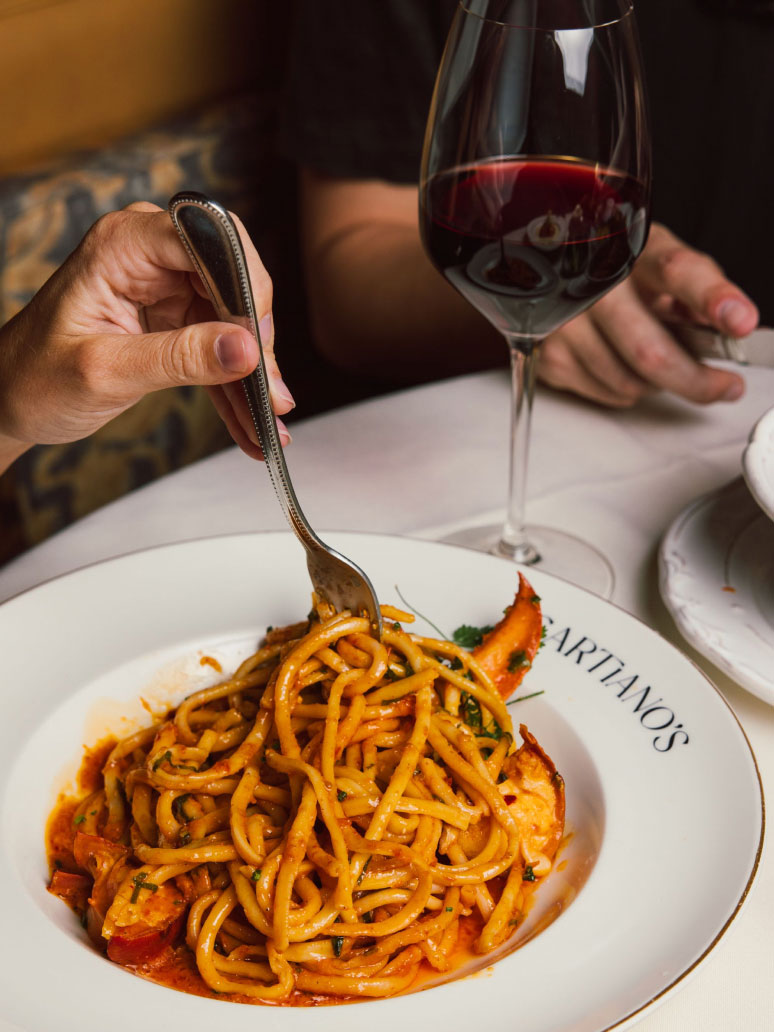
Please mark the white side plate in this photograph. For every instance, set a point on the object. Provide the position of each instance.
(758, 463)
(716, 575)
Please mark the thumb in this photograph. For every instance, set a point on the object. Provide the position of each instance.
(200, 354)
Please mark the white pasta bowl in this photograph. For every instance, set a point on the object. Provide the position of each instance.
(655, 764)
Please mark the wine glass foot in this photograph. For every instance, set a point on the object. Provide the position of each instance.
(550, 550)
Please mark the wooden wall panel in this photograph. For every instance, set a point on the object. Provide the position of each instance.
(79, 73)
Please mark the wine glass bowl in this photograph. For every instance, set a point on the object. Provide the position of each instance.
(531, 242)
(534, 188)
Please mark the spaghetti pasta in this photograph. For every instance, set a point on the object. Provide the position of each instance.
(338, 814)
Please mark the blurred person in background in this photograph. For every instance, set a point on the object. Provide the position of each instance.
(360, 79)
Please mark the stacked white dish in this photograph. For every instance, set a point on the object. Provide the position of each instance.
(716, 569)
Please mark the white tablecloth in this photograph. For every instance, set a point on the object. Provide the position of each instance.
(419, 461)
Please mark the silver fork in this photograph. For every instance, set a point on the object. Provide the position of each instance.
(213, 243)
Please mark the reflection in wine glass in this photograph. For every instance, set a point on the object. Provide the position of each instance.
(534, 198)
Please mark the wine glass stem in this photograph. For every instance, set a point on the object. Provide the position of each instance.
(514, 542)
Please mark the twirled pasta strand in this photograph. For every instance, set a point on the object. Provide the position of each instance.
(326, 814)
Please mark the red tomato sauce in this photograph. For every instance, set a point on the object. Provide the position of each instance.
(175, 966)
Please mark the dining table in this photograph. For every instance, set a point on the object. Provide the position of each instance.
(429, 460)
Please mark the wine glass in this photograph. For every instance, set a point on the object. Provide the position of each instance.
(534, 200)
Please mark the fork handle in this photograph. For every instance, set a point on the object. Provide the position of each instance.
(213, 244)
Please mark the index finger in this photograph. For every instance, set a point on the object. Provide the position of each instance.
(695, 281)
(139, 251)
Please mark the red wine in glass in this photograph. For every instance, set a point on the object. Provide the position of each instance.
(532, 242)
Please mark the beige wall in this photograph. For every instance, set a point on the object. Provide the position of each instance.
(79, 73)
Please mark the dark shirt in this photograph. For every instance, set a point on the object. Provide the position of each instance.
(361, 75)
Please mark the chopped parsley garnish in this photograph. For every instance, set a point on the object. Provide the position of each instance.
(396, 626)
(178, 807)
(338, 944)
(140, 882)
(420, 615)
(167, 758)
(471, 714)
(256, 874)
(493, 730)
(79, 820)
(341, 795)
(518, 661)
(468, 637)
(471, 710)
(522, 698)
(365, 868)
(450, 910)
(529, 874)
(535, 599)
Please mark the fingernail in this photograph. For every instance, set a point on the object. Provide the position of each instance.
(284, 433)
(280, 389)
(734, 392)
(230, 352)
(735, 316)
(264, 328)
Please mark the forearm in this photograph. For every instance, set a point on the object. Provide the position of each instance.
(377, 305)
